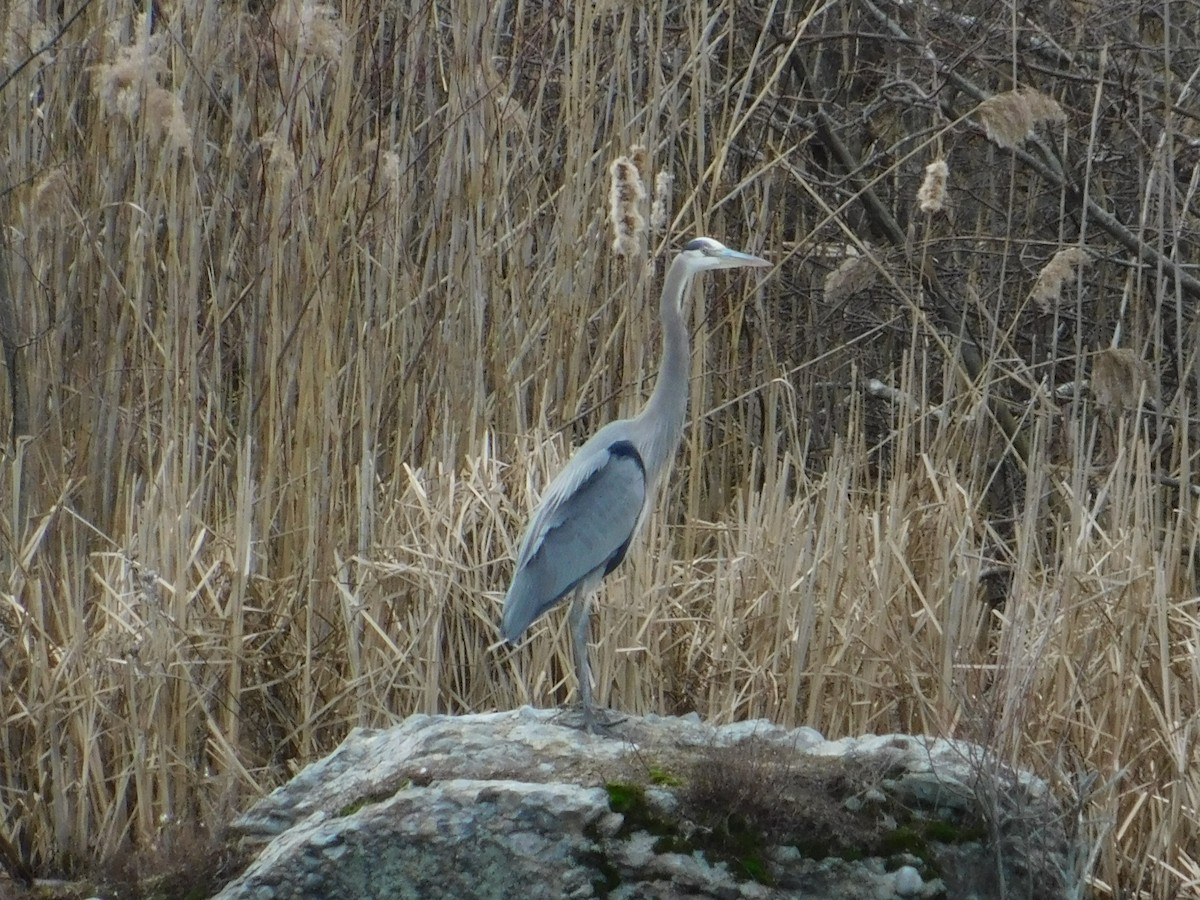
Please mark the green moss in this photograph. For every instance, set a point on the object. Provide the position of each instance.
(736, 842)
(608, 876)
(912, 841)
(624, 797)
(664, 778)
(737, 804)
(629, 800)
(953, 833)
(674, 844)
(368, 800)
(350, 808)
(756, 868)
(825, 846)
(742, 845)
(734, 801)
(914, 838)
(903, 840)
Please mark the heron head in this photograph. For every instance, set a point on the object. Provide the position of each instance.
(705, 253)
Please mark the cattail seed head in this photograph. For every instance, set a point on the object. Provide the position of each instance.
(1047, 290)
(166, 122)
(1122, 380)
(854, 274)
(1009, 118)
(308, 29)
(660, 209)
(931, 196)
(627, 194)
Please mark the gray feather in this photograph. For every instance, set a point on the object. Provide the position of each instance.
(578, 534)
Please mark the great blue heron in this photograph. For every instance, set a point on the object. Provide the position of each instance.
(594, 507)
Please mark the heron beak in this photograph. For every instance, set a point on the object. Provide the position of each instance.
(733, 259)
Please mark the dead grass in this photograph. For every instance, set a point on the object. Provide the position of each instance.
(311, 302)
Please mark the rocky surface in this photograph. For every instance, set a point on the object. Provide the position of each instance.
(515, 805)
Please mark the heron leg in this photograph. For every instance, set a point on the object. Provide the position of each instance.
(579, 619)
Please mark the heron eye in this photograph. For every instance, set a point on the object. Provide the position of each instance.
(699, 244)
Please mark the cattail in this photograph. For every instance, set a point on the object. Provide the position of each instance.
(660, 209)
(931, 196)
(1042, 107)
(1010, 118)
(281, 161)
(166, 122)
(123, 84)
(625, 199)
(51, 197)
(1122, 380)
(381, 168)
(1047, 290)
(389, 175)
(855, 274)
(640, 156)
(309, 29)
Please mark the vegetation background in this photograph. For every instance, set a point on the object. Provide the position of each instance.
(303, 304)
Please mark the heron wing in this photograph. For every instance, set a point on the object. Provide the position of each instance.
(581, 529)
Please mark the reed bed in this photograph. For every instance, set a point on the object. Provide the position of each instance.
(304, 304)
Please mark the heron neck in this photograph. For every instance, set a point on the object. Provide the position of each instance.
(666, 410)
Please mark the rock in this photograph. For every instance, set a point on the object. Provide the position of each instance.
(513, 804)
(908, 882)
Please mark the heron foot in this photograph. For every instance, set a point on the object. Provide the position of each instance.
(593, 721)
